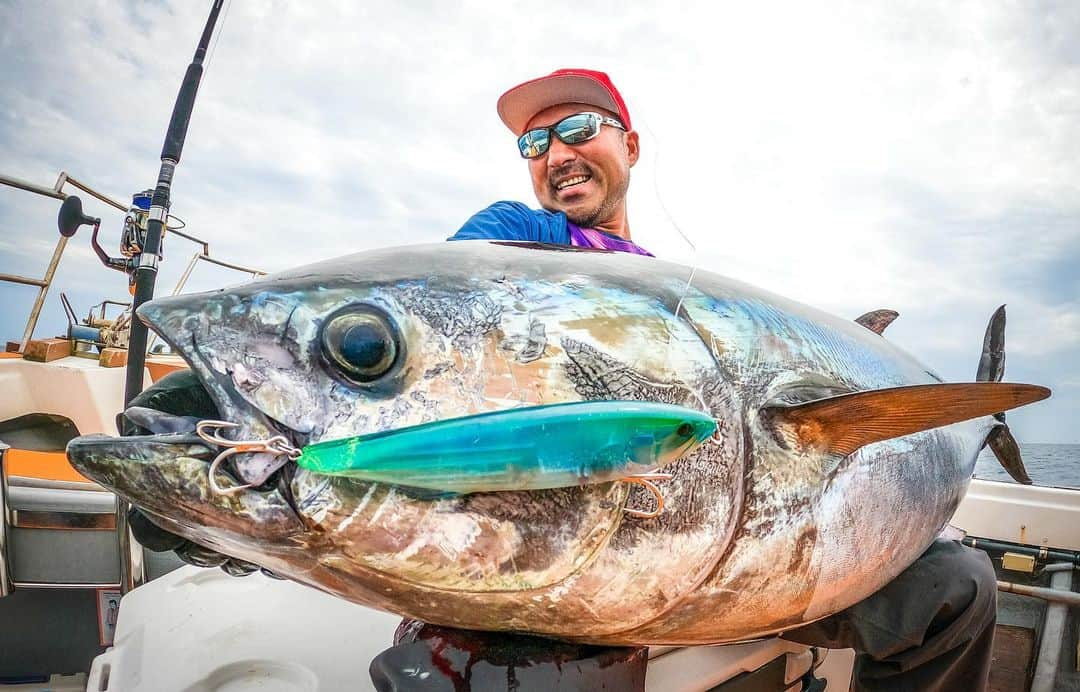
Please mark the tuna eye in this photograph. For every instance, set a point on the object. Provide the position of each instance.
(361, 343)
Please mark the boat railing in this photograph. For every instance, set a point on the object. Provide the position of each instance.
(57, 191)
(42, 284)
(6, 585)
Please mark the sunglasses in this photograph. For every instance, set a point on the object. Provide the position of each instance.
(575, 129)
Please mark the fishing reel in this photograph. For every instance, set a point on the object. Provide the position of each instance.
(132, 238)
(96, 331)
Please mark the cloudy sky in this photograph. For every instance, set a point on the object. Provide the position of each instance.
(923, 157)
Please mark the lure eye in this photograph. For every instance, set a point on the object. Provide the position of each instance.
(361, 343)
(684, 430)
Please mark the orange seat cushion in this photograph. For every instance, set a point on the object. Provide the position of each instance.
(52, 466)
(159, 369)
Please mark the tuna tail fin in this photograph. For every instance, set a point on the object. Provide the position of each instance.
(842, 424)
(992, 360)
(877, 320)
(1006, 450)
(992, 369)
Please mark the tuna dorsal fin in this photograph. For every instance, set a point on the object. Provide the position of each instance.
(1004, 446)
(992, 360)
(842, 424)
(877, 320)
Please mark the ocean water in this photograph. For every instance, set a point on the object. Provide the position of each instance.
(1047, 464)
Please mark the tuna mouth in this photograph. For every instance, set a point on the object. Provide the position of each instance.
(166, 475)
(246, 459)
(161, 429)
(161, 465)
(180, 424)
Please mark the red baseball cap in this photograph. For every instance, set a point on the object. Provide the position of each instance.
(518, 105)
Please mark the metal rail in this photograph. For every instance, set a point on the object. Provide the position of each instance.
(1055, 628)
(6, 585)
(65, 586)
(53, 192)
(42, 284)
(1055, 594)
(65, 178)
(15, 279)
(203, 257)
(132, 565)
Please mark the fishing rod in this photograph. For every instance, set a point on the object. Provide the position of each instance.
(142, 253)
(150, 253)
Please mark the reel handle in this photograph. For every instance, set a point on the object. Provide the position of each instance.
(69, 219)
(71, 216)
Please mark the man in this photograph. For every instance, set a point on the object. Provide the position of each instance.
(932, 627)
(574, 131)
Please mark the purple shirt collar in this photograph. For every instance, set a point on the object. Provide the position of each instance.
(590, 237)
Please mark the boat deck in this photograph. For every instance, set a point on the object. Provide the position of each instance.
(1014, 651)
(1016, 642)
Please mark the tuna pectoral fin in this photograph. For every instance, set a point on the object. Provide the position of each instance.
(1006, 450)
(842, 424)
(877, 320)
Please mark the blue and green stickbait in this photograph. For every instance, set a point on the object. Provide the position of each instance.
(551, 446)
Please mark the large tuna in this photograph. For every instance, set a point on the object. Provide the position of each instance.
(808, 499)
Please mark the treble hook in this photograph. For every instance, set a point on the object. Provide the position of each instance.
(646, 481)
(277, 445)
(212, 474)
(213, 438)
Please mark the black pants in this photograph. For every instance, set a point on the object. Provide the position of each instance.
(930, 629)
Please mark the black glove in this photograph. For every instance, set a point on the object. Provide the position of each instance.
(153, 537)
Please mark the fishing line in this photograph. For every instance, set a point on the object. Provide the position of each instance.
(656, 187)
(221, 30)
(669, 216)
(715, 437)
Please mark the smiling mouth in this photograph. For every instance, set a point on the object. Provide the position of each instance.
(572, 182)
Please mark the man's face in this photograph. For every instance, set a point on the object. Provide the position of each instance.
(587, 181)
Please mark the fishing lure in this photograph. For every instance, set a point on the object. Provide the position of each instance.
(530, 448)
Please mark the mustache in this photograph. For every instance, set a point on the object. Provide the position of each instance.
(570, 169)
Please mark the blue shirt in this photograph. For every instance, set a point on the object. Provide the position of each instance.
(515, 221)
